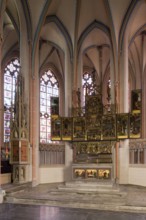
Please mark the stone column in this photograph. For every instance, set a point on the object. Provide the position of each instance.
(80, 75)
(117, 162)
(1, 107)
(124, 108)
(68, 85)
(112, 78)
(1, 118)
(34, 119)
(76, 67)
(143, 71)
(114, 102)
(67, 102)
(2, 10)
(100, 48)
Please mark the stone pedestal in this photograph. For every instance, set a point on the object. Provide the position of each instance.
(93, 161)
(20, 160)
(2, 194)
(20, 173)
(89, 187)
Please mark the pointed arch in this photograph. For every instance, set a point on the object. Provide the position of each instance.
(138, 32)
(54, 47)
(28, 19)
(94, 24)
(133, 5)
(13, 22)
(62, 28)
(37, 33)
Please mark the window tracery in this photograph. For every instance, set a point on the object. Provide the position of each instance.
(49, 87)
(10, 79)
(87, 82)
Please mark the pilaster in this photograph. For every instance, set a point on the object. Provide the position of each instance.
(1, 106)
(124, 107)
(34, 119)
(143, 80)
(68, 86)
(2, 9)
(112, 78)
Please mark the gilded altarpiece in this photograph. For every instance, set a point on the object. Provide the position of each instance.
(135, 125)
(93, 160)
(67, 123)
(108, 127)
(93, 127)
(94, 131)
(93, 105)
(136, 101)
(93, 113)
(122, 126)
(79, 129)
(56, 131)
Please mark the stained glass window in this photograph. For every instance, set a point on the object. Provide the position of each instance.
(48, 87)
(109, 90)
(87, 82)
(10, 76)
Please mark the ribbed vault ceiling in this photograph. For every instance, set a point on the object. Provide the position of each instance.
(81, 26)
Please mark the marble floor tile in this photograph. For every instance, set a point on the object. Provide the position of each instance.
(35, 212)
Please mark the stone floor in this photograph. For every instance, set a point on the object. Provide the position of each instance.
(60, 202)
(35, 212)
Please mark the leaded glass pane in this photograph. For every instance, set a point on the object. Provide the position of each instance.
(42, 88)
(43, 135)
(43, 95)
(49, 129)
(48, 87)
(43, 128)
(43, 102)
(55, 92)
(42, 108)
(49, 137)
(49, 90)
(10, 77)
(43, 121)
(42, 140)
(48, 122)
(87, 81)
(7, 116)
(7, 79)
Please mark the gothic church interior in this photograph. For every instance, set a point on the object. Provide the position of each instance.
(88, 59)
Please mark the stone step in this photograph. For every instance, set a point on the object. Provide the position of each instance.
(85, 195)
(89, 184)
(80, 186)
(82, 205)
(69, 200)
(13, 188)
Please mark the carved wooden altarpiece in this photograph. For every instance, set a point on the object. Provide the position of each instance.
(94, 131)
